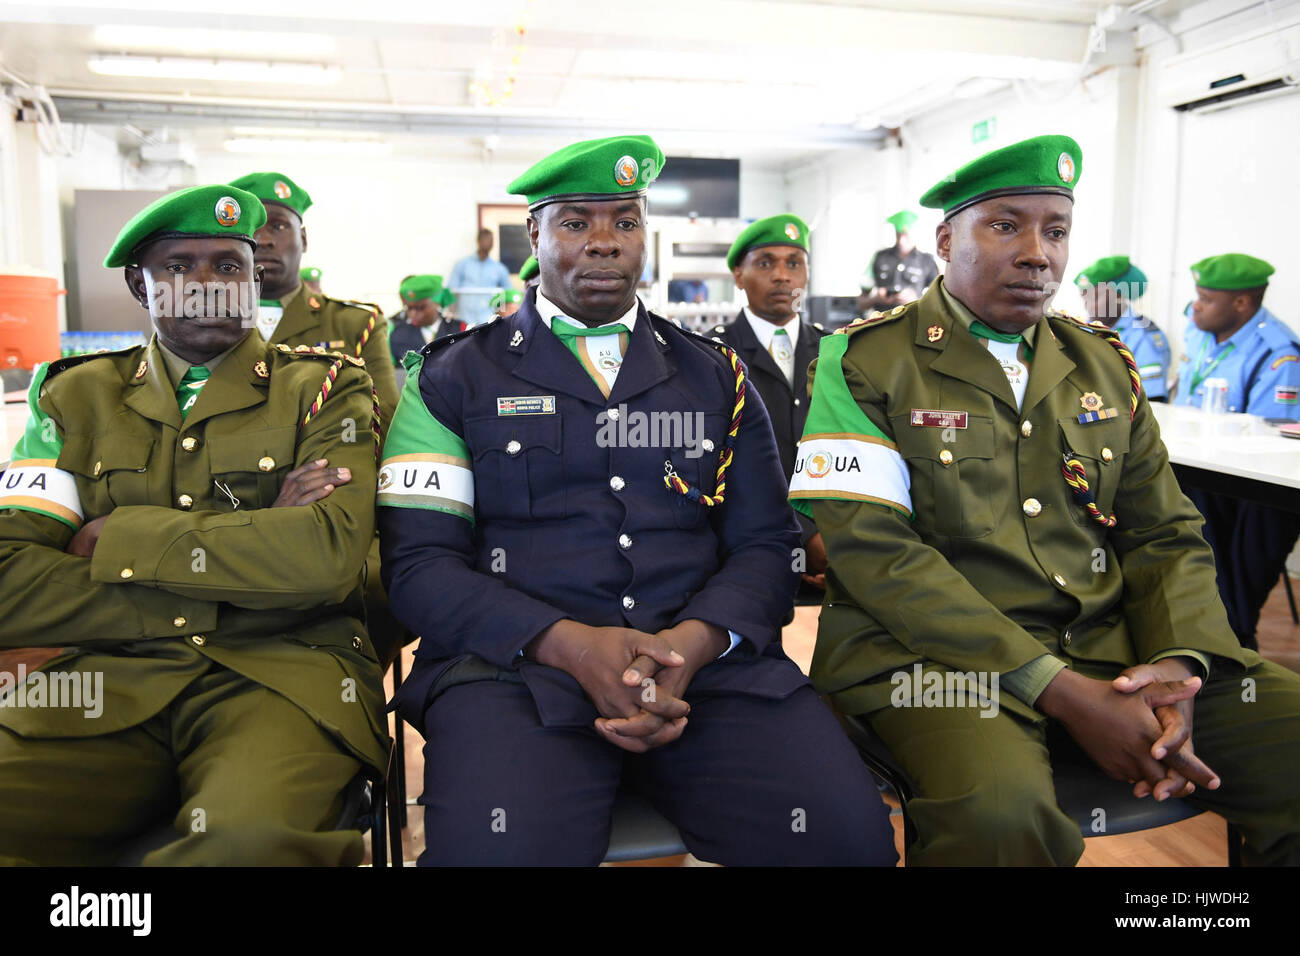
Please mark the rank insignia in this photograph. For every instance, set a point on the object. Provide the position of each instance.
(626, 171)
(517, 339)
(144, 367)
(934, 333)
(659, 338)
(1098, 416)
(314, 302)
(1091, 401)
(260, 370)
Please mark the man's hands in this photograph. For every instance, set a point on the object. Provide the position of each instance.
(1124, 724)
(87, 536)
(815, 549)
(310, 483)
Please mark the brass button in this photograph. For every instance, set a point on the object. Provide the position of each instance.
(198, 640)
(189, 443)
(1065, 640)
(266, 464)
(356, 642)
(99, 465)
(1107, 454)
(1032, 507)
(945, 457)
(126, 573)
(185, 502)
(1026, 428)
(513, 447)
(1060, 581)
(178, 622)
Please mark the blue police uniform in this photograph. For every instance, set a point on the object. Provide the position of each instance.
(568, 518)
(1150, 350)
(1261, 362)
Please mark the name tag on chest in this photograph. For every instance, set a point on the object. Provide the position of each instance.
(526, 405)
(938, 418)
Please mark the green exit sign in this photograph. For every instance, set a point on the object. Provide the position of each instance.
(985, 129)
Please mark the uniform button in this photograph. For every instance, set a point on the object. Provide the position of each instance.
(1065, 640)
(513, 447)
(628, 602)
(945, 457)
(796, 401)
(126, 573)
(178, 622)
(98, 466)
(185, 502)
(613, 414)
(624, 542)
(189, 444)
(1026, 428)
(1032, 507)
(356, 642)
(198, 640)
(1107, 454)
(707, 444)
(266, 464)
(617, 483)
(1060, 581)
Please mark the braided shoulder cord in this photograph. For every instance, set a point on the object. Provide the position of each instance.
(674, 483)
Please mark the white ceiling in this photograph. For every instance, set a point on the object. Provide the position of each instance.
(768, 80)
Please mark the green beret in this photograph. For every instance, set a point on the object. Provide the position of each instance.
(419, 288)
(783, 230)
(445, 297)
(1233, 270)
(505, 296)
(1044, 164)
(1117, 271)
(309, 274)
(193, 213)
(528, 271)
(902, 220)
(276, 187)
(595, 169)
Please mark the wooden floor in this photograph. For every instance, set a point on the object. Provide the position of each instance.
(1200, 841)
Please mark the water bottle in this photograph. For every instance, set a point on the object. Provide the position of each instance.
(1215, 399)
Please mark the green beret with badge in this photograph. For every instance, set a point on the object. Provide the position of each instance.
(1044, 164)
(309, 274)
(529, 270)
(903, 220)
(505, 297)
(277, 188)
(1233, 270)
(594, 169)
(194, 213)
(783, 230)
(1117, 271)
(421, 287)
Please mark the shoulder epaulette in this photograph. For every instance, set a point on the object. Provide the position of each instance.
(719, 330)
(367, 306)
(819, 327)
(316, 351)
(872, 320)
(70, 361)
(444, 341)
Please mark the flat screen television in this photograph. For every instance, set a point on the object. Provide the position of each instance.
(698, 188)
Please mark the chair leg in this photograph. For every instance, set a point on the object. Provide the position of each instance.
(396, 819)
(1234, 846)
(1290, 597)
(399, 757)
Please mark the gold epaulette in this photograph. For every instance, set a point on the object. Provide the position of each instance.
(316, 351)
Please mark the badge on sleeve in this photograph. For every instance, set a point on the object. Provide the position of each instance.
(1287, 394)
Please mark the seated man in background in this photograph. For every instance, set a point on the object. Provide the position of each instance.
(1000, 516)
(1109, 287)
(899, 273)
(422, 295)
(769, 260)
(182, 530)
(585, 574)
(1232, 336)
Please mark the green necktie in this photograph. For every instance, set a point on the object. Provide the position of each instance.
(570, 336)
(187, 392)
(982, 331)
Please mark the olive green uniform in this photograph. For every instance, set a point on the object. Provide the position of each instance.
(998, 565)
(240, 691)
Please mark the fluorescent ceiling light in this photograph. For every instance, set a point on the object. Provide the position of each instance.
(191, 41)
(317, 147)
(223, 71)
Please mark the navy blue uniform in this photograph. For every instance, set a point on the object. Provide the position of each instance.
(569, 518)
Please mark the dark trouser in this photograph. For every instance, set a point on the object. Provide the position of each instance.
(1251, 543)
(751, 781)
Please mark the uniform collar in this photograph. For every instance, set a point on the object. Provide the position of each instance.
(764, 330)
(1244, 334)
(284, 300)
(177, 366)
(548, 311)
(965, 316)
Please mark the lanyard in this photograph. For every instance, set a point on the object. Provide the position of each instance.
(1199, 376)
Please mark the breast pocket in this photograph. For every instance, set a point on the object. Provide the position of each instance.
(953, 476)
(693, 451)
(1100, 447)
(518, 467)
(250, 467)
(112, 470)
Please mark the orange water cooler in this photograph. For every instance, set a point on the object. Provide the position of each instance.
(29, 320)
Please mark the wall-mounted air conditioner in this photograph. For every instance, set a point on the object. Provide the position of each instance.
(1242, 70)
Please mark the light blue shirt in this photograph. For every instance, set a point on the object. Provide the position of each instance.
(1150, 350)
(1261, 362)
(473, 308)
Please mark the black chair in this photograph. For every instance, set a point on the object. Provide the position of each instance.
(640, 832)
(1080, 789)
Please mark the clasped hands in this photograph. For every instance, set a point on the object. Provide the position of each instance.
(1137, 727)
(636, 680)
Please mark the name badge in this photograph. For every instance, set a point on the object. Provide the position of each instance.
(526, 405)
(938, 418)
